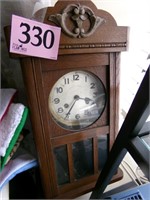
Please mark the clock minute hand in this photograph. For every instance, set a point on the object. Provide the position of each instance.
(68, 113)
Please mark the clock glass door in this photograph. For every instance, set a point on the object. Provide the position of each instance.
(77, 100)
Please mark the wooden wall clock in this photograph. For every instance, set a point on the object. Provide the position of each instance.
(74, 100)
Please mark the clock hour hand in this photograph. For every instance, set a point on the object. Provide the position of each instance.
(87, 100)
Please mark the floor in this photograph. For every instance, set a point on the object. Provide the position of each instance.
(28, 190)
(130, 178)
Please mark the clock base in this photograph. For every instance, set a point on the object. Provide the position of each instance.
(76, 192)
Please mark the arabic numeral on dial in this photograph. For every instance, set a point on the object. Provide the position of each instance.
(59, 89)
(92, 85)
(56, 100)
(76, 77)
(67, 117)
(85, 78)
(77, 116)
(66, 81)
(95, 94)
(60, 110)
(87, 113)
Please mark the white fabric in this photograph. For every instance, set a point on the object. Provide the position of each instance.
(6, 96)
(9, 124)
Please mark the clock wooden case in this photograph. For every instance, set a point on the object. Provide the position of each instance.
(71, 159)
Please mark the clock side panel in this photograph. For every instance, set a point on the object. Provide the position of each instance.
(46, 169)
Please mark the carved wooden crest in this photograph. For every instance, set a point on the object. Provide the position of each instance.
(82, 21)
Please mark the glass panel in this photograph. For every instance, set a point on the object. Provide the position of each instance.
(102, 151)
(146, 140)
(83, 158)
(144, 133)
(61, 163)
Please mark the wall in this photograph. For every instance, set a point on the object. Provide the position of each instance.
(10, 68)
(134, 62)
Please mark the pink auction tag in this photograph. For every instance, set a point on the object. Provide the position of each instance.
(34, 38)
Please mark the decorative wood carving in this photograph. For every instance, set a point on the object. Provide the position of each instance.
(77, 14)
(102, 45)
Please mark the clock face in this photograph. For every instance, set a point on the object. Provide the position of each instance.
(77, 100)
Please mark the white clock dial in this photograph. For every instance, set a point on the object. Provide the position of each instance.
(77, 100)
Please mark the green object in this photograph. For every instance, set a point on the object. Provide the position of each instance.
(14, 138)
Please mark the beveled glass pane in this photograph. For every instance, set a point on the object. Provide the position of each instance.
(61, 163)
(103, 148)
(83, 158)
